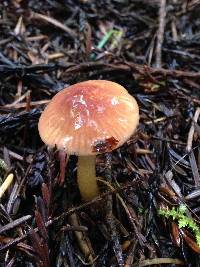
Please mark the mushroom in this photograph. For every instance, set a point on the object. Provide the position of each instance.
(86, 119)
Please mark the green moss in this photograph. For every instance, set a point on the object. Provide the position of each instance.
(179, 214)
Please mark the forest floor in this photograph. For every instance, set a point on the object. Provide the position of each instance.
(148, 212)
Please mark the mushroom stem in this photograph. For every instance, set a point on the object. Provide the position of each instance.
(86, 177)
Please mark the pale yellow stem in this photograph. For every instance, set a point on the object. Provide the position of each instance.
(86, 177)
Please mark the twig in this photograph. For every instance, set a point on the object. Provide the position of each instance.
(161, 29)
(15, 223)
(23, 105)
(127, 67)
(191, 132)
(194, 168)
(82, 239)
(174, 30)
(22, 70)
(192, 159)
(159, 261)
(54, 22)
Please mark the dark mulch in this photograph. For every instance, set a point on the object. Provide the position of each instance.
(152, 48)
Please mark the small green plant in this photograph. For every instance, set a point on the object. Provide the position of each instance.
(179, 214)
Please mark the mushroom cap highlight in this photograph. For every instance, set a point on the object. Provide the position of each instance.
(89, 118)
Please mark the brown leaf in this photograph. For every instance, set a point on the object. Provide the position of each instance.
(176, 234)
(41, 225)
(191, 243)
(46, 195)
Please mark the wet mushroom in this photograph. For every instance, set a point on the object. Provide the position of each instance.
(87, 119)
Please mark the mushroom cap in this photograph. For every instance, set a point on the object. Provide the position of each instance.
(89, 118)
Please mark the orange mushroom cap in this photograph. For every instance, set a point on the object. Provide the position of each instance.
(89, 117)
